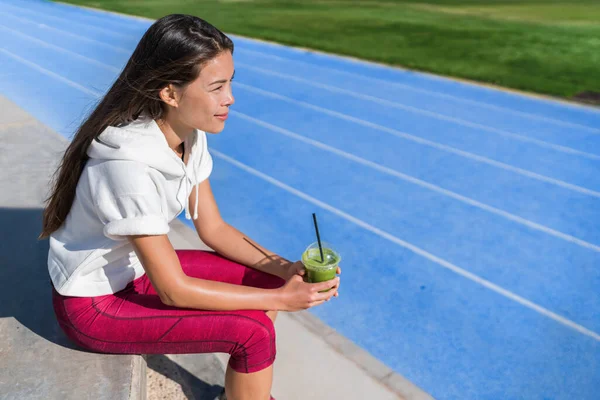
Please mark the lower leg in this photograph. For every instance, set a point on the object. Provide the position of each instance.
(272, 315)
(252, 386)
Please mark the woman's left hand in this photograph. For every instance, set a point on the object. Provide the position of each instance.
(297, 268)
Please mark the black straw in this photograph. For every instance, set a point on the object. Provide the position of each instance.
(318, 236)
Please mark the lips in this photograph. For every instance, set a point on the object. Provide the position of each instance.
(222, 117)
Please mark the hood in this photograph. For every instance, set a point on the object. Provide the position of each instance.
(143, 141)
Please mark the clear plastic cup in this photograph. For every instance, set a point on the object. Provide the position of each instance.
(317, 270)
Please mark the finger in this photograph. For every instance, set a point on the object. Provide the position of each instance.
(300, 271)
(326, 285)
(339, 270)
(325, 295)
(316, 303)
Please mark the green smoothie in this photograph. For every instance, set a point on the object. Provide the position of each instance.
(317, 271)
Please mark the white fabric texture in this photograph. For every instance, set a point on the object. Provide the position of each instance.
(133, 184)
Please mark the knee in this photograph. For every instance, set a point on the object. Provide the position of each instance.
(256, 345)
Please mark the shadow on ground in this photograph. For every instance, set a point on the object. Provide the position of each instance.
(25, 294)
(25, 287)
(204, 380)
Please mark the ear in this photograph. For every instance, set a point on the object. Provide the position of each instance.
(169, 95)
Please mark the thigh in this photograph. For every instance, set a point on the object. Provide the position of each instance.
(133, 323)
(212, 266)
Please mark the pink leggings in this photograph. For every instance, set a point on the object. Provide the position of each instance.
(135, 321)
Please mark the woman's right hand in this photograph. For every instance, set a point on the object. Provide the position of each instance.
(298, 295)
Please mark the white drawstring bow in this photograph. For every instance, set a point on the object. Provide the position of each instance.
(187, 204)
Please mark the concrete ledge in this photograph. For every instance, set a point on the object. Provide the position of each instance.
(137, 390)
(37, 361)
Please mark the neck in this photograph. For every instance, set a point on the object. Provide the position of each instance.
(175, 132)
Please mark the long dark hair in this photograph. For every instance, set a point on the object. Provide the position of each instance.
(172, 51)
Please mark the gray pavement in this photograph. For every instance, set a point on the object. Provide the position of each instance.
(37, 361)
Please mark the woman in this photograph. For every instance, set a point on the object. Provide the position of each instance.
(136, 163)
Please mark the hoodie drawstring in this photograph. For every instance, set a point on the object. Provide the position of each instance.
(187, 204)
(196, 204)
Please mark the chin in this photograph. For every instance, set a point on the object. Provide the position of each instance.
(215, 129)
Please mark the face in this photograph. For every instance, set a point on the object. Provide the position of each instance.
(204, 103)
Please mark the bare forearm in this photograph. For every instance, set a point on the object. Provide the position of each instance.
(233, 244)
(211, 295)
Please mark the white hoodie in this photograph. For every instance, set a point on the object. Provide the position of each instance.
(133, 184)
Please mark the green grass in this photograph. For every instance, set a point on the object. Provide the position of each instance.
(544, 46)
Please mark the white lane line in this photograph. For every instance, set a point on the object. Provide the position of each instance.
(409, 178)
(390, 171)
(438, 94)
(51, 74)
(419, 182)
(71, 22)
(425, 91)
(425, 142)
(62, 50)
(417, 110)
(95, 15)
(73, 35)
(439, 261)
(121, 16)
(364, 225)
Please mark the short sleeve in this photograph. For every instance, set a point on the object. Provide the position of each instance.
(128, 203)
(204, 163)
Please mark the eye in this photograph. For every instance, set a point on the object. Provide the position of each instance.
(217, 89)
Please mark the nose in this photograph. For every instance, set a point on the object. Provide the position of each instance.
(230, 99)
